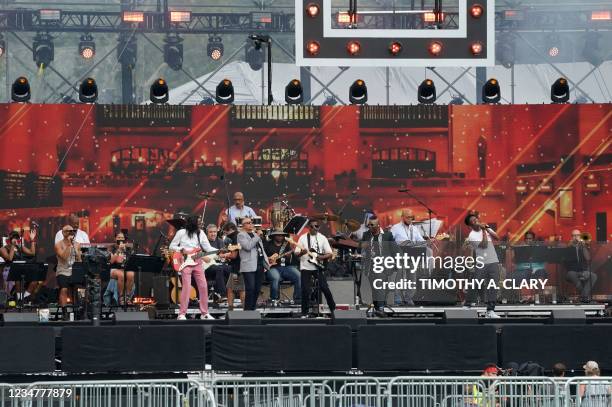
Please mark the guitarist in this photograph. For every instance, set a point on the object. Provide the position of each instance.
(280, 253)
(187, 240)
(317, 243)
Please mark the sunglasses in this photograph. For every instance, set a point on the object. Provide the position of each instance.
(247, 223)
(315, 226)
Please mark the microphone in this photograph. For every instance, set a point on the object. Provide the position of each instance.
(404, 190)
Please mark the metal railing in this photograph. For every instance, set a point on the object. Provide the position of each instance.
(336, 391)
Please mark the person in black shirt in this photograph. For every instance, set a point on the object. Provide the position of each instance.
(280, 254)
(16, 250)
(220, 271)
(578, 268)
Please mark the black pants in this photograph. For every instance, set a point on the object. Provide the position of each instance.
(221, 274)
(252, 287)
(307, 287)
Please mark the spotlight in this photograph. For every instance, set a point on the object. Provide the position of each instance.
(559, 91)
(173, 52)
(491, 92)
(476, 48)
(87, 46)
(43, 50)
(20, 91)
(132, 16)
(179, 16)
(88, 91)
(159, 91)
(225, 92)
(358, 93)
(353, 48)
(312, 10)
(255, 55)
(294, 93)
(476, 11)
(435, 48)
(427, 92)
(313, 48)
(214, 49)
(395, 48)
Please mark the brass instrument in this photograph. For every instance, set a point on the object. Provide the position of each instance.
(586, 237)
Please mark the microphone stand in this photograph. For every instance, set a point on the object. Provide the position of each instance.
(423, 204)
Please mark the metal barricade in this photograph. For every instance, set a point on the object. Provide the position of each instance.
(525, 392)
(409, 391)
(588, 392)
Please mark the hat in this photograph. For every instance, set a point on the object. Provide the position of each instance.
(278, 232)
(469, 216)
(591, 365)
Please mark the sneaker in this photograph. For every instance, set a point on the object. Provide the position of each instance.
(492, 314)
(304, 316)
(181, 317)
(207, 316)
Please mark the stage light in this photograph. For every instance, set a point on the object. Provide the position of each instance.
(358, 93)
(476, 48)
(427, 92)
(553, 52)
(395, 48)
(343, 17)
(20, 91)
(431, 17)
(294, 93)
(225, 92)
(215, 48)
(159, 91)
(180, 16)
(601, 15)
(88, 91)
(312, 10)
(48, 15)
(313, 47)
(559, 91)
(207, 101)
(491, 92)
(435, 48)
(353, 48)
(173, 52)
(132, 16)
(255, 56)
(43, 51)
(87, 46)
(476, 11)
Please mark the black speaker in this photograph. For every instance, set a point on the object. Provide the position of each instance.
(460, 316)
(20, 318)
(243, 318)
(568, 316)
(131, 316)
(161, 290)
(352, 318)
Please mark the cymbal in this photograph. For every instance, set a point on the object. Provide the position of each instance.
(326, 216)
(207, 196)
(352, 225)
(176, 223)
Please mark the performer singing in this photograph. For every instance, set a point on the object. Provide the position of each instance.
(189, 239)
(16, 250)
(68, 251)
(80, 235)
(118, 258)
(237, 210)
(317, 243)
(480, 240)
(253, 261)
(578, 268)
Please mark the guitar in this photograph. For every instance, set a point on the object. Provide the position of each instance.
(312, 254)
(273, 260)
(181, 260)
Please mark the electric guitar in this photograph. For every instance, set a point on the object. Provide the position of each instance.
(181, 260)
(273, 260)
(312, 254)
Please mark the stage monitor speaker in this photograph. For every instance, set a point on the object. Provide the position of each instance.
(243, 318)
(343, 290)
(460, 316)
(568, 316)
(161, 290)
(352, 318)
(20, 318)
(131, 316)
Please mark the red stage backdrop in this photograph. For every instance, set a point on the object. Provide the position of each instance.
(545, 168)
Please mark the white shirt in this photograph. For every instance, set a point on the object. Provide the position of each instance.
(489, 254)
(402, 232)
(318, 242)
(182, 240)
(80, 237)
(240, 213)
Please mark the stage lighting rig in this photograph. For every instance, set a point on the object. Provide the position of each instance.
(427, 92)
(88, 91)
(20, 91)
(87, 46)
(358, 92)
(215, 49)
(491, 92)
(224, 94)
(43, 51)
(159, 92)
(559, 91)
(173, 52)
(294, 93)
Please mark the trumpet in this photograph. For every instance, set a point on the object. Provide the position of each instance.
(586, 237)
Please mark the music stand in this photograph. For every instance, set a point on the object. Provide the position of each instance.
(560, 255)
(296, 225)
(22, 272)
(530, 254)
(140, 263)
(413, 251)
